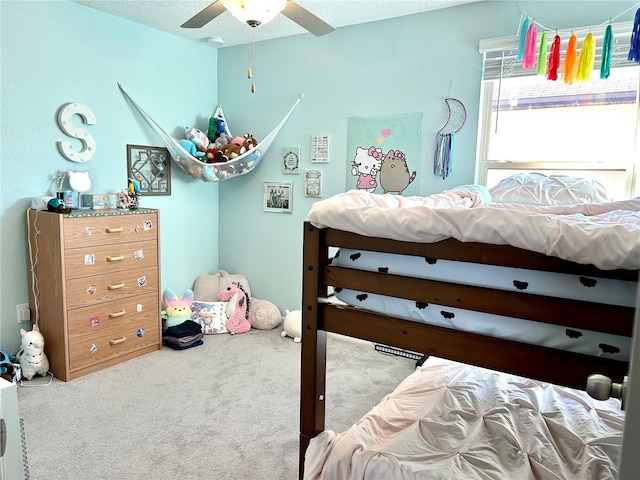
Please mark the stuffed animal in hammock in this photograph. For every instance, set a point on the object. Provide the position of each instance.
(237, 308)
(33, 360)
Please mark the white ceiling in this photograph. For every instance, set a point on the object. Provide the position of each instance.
(167, 16)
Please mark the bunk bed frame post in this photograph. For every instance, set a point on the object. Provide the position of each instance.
(314, 341)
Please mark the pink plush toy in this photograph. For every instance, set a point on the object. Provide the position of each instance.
(237, 308)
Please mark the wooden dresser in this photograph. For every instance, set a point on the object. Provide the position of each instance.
(94, 279)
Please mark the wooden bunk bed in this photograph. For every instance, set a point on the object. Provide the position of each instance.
(320, 315)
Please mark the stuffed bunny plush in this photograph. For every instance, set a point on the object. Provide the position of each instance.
(33, 360)
(178, 309)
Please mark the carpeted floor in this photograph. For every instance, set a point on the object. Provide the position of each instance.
(228, 409)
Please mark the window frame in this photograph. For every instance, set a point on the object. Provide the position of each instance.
(503, 47)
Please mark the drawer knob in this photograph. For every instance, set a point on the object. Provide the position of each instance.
(117, 314)
(115, 259)
(117, 341)
(115, 286)
(115, 230)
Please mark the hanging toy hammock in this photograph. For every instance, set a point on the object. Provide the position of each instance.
(213, 172)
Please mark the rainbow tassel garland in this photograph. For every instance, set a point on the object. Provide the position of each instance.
(607, 49)
(570, 65)
(542, 55)
(554, 59)
(587, 58)
(529, 58)
(523, 39)
(634, 48)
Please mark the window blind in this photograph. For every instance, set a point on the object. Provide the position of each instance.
(500, 54)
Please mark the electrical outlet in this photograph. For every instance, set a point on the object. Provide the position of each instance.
(23, 313)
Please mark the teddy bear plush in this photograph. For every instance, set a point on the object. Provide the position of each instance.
(33, 361)
(229, 152)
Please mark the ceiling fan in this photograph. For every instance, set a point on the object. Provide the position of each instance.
(257, 12)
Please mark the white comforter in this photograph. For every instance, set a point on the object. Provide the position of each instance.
(604, 234)
(453, 421)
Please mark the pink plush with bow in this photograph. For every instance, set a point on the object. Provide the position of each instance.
(237, 308)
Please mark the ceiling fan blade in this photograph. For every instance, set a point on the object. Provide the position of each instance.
(203, 17)
(306, 19)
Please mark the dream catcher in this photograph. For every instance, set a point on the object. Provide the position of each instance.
(444, 138)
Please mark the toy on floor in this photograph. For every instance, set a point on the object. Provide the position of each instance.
(292, 326)
(178, 310)
(263, 315)
(33, 360)
(237, 308)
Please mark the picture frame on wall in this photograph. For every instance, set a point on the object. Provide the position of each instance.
(313, 183)
(278, 197)
(151, 167)
(291, 160)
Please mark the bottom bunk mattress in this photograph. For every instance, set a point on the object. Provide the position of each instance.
(599, 290)
(449, 420)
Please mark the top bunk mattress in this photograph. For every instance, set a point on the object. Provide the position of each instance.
(606, 234)
(451, 420)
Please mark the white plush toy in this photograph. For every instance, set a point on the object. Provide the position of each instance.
(292, 325)
(33, 360)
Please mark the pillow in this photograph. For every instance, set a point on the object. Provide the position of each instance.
(539, 189)
(206, 287)
(210, 315)
(263, 314)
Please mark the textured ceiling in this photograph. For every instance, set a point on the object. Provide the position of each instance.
(167, 16)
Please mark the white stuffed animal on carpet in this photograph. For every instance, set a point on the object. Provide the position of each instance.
(292, 325)
(33, 360)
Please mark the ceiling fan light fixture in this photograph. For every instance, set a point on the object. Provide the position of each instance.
(254, 12)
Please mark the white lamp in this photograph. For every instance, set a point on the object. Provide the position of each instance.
(254, 12)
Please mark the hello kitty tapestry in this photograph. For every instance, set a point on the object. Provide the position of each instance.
(384, 153)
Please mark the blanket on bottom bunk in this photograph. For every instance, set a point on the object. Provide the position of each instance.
(604, 234)
(452, 421)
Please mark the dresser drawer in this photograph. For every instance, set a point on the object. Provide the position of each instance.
(110, 228)
(87, 291)
(101, 259)
(112, 329)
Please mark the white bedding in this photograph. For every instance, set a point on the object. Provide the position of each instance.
(579, 340)
(453, 421)
(604, 234)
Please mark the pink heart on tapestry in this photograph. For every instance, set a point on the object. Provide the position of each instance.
(385, 132)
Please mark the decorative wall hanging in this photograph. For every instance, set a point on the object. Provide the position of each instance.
(278, 197)
(151, 168)
(442, 161)
(291, 160)
(385, 153)
(66, 112)
(634, 44)
(213, 172)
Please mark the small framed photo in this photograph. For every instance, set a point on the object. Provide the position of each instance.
(320, 148)
(151, 167)
(291, 160)
(278, 197)
(313, 183)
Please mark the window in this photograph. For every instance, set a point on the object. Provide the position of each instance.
(531, 124)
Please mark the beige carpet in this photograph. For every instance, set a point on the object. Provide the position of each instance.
(227, 409)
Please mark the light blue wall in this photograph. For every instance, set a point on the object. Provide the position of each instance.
(59, 52)
(54, 52)
(403, 65)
